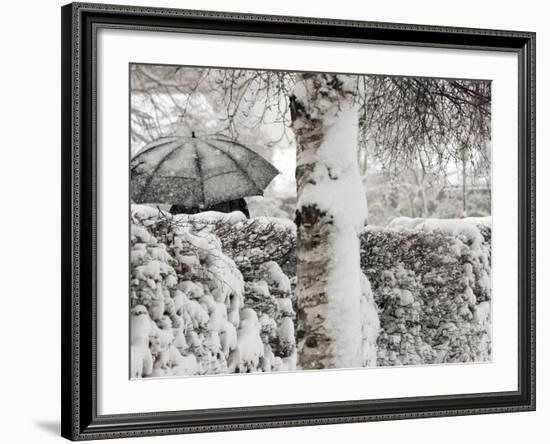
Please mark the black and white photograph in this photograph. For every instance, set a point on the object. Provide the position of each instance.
(291, 221)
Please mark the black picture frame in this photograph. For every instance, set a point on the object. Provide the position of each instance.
(80, 420)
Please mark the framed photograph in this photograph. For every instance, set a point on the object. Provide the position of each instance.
(278, 221)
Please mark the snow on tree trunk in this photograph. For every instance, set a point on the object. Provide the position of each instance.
(330, 212)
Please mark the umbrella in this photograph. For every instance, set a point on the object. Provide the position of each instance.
(197, 172)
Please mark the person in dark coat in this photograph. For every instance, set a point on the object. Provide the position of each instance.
(223, 207)
(182, 209)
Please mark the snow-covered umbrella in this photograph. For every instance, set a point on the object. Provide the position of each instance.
(197, 172)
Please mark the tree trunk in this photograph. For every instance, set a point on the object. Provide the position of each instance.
(422, 190)
(464, 165)
(331, 210)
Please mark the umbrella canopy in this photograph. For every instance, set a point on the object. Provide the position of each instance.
(197, 172)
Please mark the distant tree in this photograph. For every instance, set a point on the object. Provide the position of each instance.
(172, 100)
(423, 124)
(161, 97)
